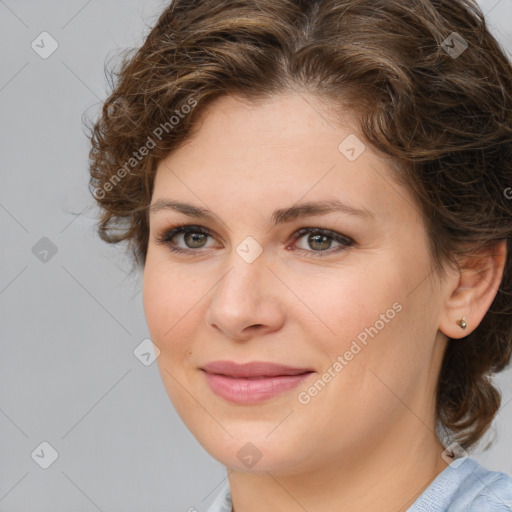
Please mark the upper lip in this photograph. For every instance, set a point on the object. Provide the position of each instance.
(252, 369)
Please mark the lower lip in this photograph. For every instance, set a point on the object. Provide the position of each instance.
(252, 391)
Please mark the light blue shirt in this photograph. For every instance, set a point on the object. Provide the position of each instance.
(464, 486)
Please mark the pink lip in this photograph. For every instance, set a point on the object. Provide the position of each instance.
(252, 382)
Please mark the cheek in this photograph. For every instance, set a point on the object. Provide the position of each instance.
(357, 304)
(167, 306)
(156, 302)
(375, 319)
(168, 302)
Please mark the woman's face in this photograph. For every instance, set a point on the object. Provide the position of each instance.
(357, 305)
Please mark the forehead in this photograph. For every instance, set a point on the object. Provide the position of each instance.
(283, 150)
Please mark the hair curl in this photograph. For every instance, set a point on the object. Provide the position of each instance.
(445, 119)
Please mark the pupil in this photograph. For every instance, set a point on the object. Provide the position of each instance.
(196, 237)
(325, 238)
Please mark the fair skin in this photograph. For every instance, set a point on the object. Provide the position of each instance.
(367, 440)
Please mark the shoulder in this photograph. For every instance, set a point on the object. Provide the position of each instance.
(222, 501)
(495, 493)
(466, 486)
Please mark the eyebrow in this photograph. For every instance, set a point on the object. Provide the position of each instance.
(279, 216)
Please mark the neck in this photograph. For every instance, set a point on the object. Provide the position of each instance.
(390, 476)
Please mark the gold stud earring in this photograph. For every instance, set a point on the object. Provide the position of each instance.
(462, 322)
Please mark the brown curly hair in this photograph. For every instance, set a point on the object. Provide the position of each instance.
(431, 88)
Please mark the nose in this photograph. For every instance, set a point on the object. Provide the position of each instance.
(247, 300)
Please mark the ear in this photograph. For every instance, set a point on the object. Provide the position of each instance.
(471, 289)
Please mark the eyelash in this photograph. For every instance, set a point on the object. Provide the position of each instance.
(166, 236)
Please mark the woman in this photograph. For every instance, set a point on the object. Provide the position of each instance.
(318, 193)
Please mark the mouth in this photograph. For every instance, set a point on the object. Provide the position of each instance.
(252, 382)
(253, 369)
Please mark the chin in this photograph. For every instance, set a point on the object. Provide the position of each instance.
(249, 449)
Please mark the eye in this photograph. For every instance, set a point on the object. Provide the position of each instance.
(320, 240)
(195, 238)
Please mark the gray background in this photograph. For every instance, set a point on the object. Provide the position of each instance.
(69, 325)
